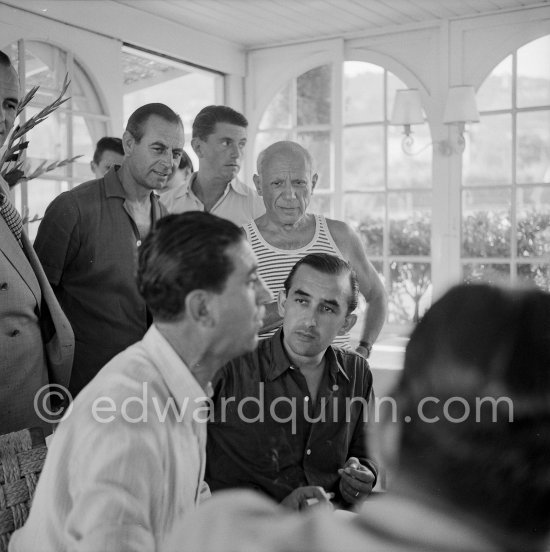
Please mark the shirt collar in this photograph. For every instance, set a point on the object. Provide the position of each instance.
(186, 189)
(280, 362)
(177, 375)
(113, 185)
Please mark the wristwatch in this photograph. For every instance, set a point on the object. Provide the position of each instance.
(366, 345)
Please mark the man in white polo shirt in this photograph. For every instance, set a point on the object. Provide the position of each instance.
(219, 139)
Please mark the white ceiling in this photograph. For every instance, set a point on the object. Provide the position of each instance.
(256, 23)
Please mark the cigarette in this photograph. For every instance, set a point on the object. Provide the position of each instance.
(313, 501)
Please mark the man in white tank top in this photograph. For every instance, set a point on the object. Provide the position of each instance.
(287, 232)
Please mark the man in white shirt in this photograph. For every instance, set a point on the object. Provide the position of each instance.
(219, 139)
(128, 459)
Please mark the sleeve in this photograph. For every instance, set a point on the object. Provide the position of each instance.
(242, 520)
(361, 444)
(116, 497)
(57, 240)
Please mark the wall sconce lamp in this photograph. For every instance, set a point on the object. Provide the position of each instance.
(460, 109)
(407, 111)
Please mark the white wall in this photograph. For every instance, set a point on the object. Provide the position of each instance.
(91, 30)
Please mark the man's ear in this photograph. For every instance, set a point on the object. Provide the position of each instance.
(281, 300)
(348, 324)
(258, 184)
(92, 166)
(198, 307)
(128, 142)
(314, 181)
(196, 145)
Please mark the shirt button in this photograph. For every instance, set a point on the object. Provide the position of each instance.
(306, 399)
(335, 387)
(308, 452)
(138, 243)
(4, 286)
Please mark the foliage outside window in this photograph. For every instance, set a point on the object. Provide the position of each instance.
(383, 194)
(506, 184)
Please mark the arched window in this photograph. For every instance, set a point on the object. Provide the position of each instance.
(506, 183)
(73, 129)
(364, 176)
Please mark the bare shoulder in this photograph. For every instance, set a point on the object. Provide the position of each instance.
(343, 234)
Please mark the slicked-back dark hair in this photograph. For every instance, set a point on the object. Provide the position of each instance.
(480, 344)
(205, 122)
(182, 253)
(107, 143)
(141, 115)
(328, 264)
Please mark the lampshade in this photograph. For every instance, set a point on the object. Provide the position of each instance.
(407, 108)
(461, 105)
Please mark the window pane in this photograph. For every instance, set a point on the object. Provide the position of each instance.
(533, 86)
(410, 223)
(318, 144)
(488, 273)
(411, 291)
(487, 158)
(149, 78)
(314, 92)
(533, 147)
(45, 66)
(41, 193)
(363, 92)
(409, 171)
(83, 130)
(264, 139)
(82, 92)
(321, 205)
(363, 157)
(366, 214)
(278, 112)
(486, 223)
(535, 274)
(48, 140)
(533, 221)
(496, 90)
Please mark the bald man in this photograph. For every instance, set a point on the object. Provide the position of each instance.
(287, 232)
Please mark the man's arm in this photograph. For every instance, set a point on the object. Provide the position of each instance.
(370, 284)
(272, 319)
(360, 472)
(58, 240)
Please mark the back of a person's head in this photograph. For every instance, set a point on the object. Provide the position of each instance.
(185, 162)
(205, 122)
(478, 363)
(136, 121)
(182, 253)
(107, 143)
